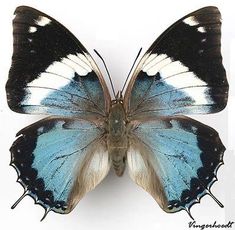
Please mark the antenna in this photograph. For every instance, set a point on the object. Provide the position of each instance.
(106, 71)
(131, 70)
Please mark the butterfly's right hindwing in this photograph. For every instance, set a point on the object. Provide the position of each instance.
(175, 159)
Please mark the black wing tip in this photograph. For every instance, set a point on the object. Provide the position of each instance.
(223, 94)
(22, 8)
(208, 8)
(14, 107)
(223, 105)
(14, 95)
(221, 108)
(205, 9)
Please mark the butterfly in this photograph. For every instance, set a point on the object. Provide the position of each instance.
(62, 157)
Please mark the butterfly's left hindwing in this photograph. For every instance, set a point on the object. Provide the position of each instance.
(175, 159)
(58, 160)
(52, 72)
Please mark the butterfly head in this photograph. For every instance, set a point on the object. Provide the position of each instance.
(118, 98)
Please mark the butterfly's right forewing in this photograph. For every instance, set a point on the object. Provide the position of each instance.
(182, 72)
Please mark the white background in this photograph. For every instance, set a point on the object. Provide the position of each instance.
(117, 29)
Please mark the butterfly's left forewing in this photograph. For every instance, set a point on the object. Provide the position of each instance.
(52, 72)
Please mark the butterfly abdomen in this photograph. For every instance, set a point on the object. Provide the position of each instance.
(117, 137)
(118, 156)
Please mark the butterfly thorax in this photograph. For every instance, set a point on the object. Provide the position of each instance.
(117, 136)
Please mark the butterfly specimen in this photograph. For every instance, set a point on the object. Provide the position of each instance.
(62, 157)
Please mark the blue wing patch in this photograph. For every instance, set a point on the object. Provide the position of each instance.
(51, 155)
(185, 156)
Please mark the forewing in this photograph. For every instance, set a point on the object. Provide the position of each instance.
(182, 72)
(175, 159)
(58, 160)
(52, 72)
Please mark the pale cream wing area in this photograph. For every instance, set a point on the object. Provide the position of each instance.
(142, 172)
(94, 168)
